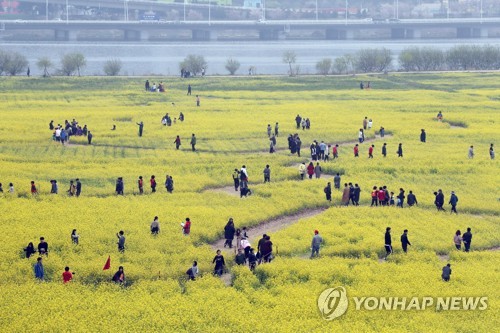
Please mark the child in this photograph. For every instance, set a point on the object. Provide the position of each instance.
(391, 202)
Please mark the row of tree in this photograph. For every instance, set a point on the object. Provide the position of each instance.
(462, 57)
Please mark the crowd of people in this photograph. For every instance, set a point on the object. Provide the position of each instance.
(62, 133)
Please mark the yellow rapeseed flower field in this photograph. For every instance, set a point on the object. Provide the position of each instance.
(230, 126)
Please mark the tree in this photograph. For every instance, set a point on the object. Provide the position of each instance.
(232, 65)
(4, 60)
(16, 64)
(373, 60)
(44, 64)
(289, 57)
(323, 66)
(73, 62)
(193, 64)
(112, 67)
(340, 65)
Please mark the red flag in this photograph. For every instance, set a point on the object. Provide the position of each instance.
(107, 265)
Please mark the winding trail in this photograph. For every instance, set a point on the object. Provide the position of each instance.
(271, 226)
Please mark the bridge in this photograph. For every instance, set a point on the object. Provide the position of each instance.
(69, 30)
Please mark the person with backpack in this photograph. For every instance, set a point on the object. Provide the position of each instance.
(328, 192)
(236, 179)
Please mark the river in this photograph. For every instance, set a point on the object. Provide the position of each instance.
(146, 59)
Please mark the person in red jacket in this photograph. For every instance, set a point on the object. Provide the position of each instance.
(381, 196)
(310, 170)
(370, 151)
(335, 151)
(67, 275)
(356, 150)
(140, 185)
(186, 227)
(374, 196)
(152, 181)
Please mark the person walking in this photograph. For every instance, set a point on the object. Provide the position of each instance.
(152, 183)
(467, 239)
(356, 150)
(328, 192)
(39, 270)
(374, 196)
(269, 130)
(361, 135)
(492, 152)
(457, 240)
(411, 200)
(388, 242)
(400, 150)
(315, 244)
(453, 202)
(141, 128)
(78, 187)
(335, 151)
(193, 142)
(405, 241)
(53, 188)
(140, 185)
(401, 198)
(423, 135)
(471, 152)
(177, 142)
(219, 264)
(356, 195)
(189, 90)
(445, 275)
(89, 137)
(266, 249)
(267, 174)
(336, 181)
(365, 123)
(236, 179)
(346, 195)
(439, 201)
(302, 170)
(119, 188)
(229, 232)
(34, 190)
(370, 151)
(276, 129)
(310, 170)
(317, 171)
(384, 149)
(155, 226)
(298, 121)
(121, 241)
(197, 100)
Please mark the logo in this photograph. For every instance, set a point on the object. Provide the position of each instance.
(332, 303)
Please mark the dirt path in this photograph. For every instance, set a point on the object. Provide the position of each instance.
(226, 189)
(271, 226)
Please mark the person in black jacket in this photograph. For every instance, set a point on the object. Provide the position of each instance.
(400, 150)
(357, 193)
(422, 135)
(388, 242)
(401, 198)
(328, 192)
(439, 201)
(467, 239)
(30, 249)
(219, 264)
(412, 199)
(404, 240)
(43, 247)
(229, 231)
